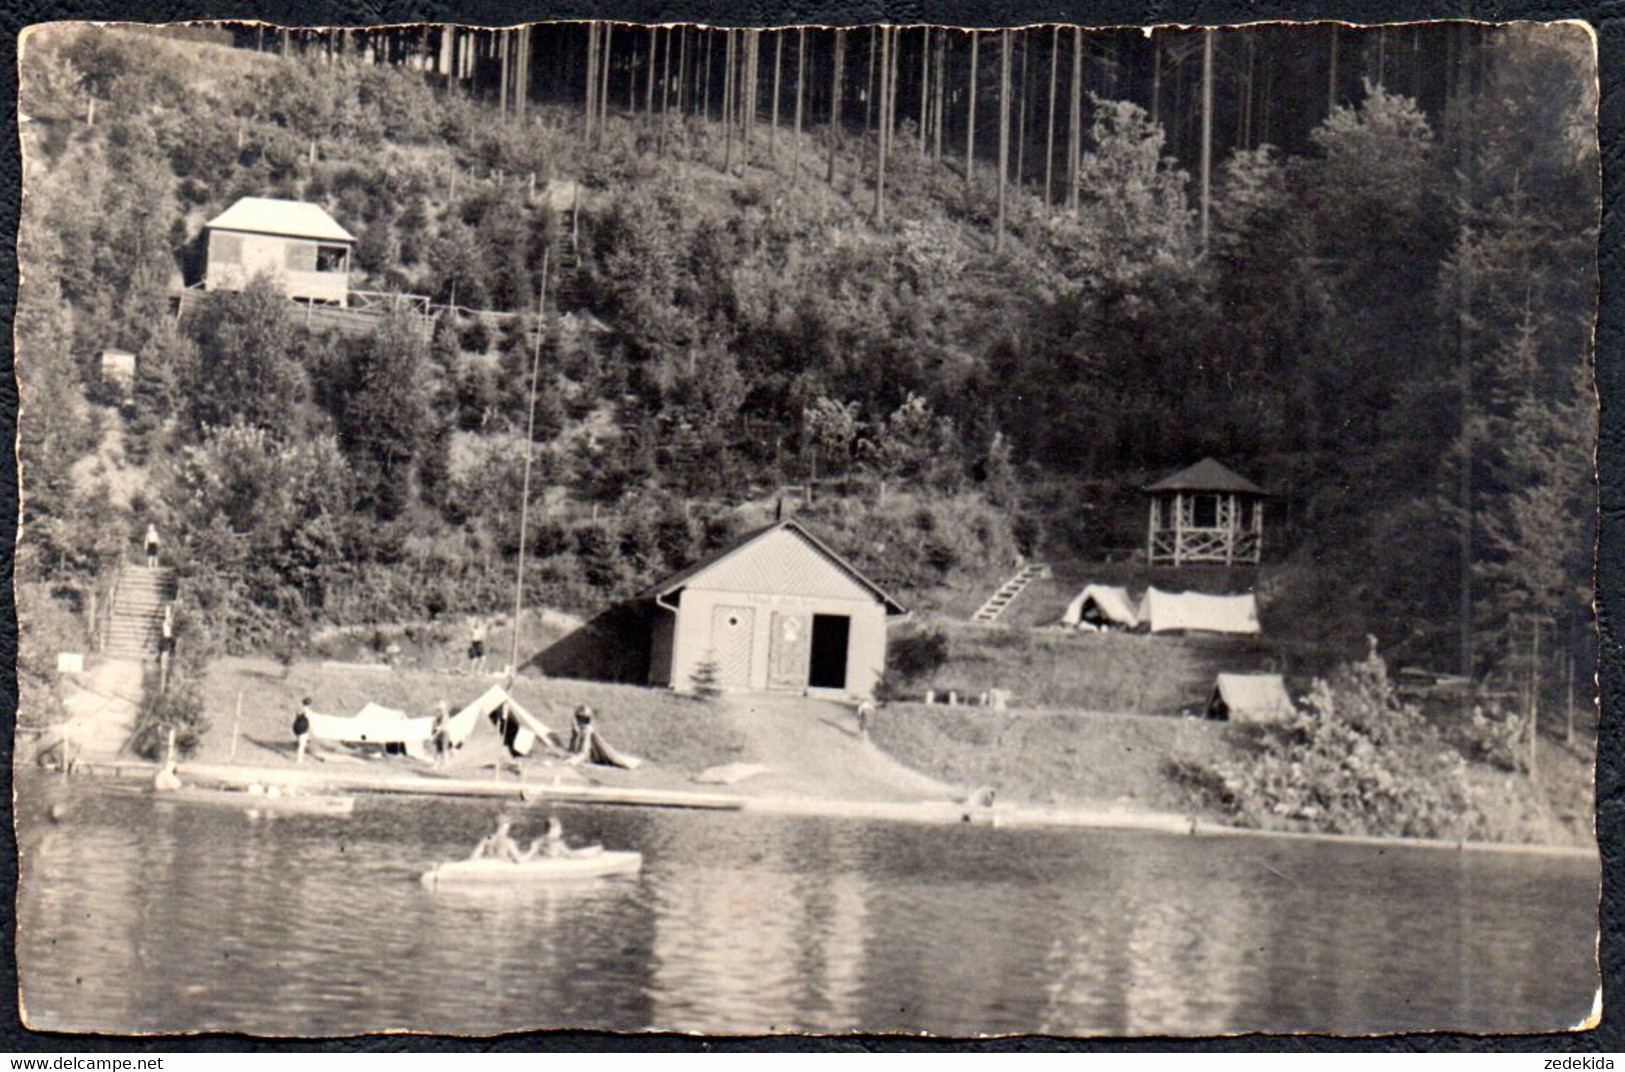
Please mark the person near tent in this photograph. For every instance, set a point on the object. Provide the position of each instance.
(301, 729)
(582, 735)
(498, 845)
(440, 734)
(152, 543)
(476, 645)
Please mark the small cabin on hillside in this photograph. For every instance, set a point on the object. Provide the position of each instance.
(295, 242)
(1206, 514)
(777, 610)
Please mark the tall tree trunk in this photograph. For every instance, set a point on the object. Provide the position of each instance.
(801, 85)
(835, 125)
(1049, 135)
(925, 91)
(504, 64)
(885, 126)
(942, 95)
(665, 92)
(1074, 153)
(970, 115)
(1156, 79)
(591, 111)
(649, 92)
(1247, 91)
(778, 65)
(728, 48)
(607, 55)
(1004, 131)
(1021, 126)
(1331, 75)
(1207, 131)
(747, 99)
(869, 78)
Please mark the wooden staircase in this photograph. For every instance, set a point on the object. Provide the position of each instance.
(137, 619)
(1008, 591)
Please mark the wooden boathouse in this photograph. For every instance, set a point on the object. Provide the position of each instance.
(295, 242)
(776, 610)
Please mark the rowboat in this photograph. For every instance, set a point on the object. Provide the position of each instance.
(568, 868)
(261, 803)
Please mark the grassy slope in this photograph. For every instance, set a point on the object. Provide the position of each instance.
(1052, 757)
(1054, 668)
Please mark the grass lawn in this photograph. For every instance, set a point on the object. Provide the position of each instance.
(1052, 757)
(1054, 668)
(672, 734)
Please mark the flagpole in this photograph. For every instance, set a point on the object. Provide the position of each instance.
(530, 450)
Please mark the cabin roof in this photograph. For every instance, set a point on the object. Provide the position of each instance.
(273, 216)
(1207, 475)
(682, 577)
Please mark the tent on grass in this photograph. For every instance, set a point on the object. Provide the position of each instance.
(1192, 612)
(1251, 698)
(518, 729)
(1101, 606)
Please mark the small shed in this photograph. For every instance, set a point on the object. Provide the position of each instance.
(1254, 698)
(777, 610)
(296, 242)
(118, 370)
(1206, 514)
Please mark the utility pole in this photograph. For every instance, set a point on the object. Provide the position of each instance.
(530, 451)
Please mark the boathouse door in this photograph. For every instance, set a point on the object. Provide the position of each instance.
(789, 649)
(830, 634)
(731, 631)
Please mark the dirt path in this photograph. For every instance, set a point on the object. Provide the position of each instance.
(102, 705)
(811, 748)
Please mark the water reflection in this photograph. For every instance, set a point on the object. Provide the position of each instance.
(142, 917)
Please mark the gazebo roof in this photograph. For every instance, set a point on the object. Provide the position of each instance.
(1207, 475)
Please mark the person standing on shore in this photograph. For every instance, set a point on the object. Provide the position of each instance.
(301, 729)
(866, 714)
(476, 645)
(439, 734)
(151, 542)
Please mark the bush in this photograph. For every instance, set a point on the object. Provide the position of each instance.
(915, 656)
(1357, 762)
(180, 707)
(1499, 738)
(706, 680)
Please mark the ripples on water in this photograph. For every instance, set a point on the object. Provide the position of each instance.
(137, 916)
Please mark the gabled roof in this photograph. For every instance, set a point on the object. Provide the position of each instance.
(269, 215)
(1207, 475)
(682, 577)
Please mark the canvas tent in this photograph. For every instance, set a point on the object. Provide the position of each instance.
(1102, 606)
(375, 724)
(1166, 612)
(1251, 698)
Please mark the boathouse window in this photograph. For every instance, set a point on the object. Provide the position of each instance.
(298, 257)
(226, 249)
(331, 258)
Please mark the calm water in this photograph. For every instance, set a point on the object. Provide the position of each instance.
(135, 916)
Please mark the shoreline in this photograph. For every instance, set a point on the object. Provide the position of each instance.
(925, 811)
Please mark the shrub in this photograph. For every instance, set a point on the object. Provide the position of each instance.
(178, 707)
(1498, 737)
(706, 680)
(915, 656)
(1357, 762)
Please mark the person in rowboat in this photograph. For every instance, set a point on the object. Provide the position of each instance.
(551, 845)
(499, 845)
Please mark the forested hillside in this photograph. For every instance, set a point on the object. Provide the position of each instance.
(975, 290)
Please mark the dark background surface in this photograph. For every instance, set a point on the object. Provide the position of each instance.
(1607, 18)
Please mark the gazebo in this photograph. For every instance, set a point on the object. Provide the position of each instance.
(1206, 514)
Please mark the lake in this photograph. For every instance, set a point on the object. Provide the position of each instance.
(135, 916)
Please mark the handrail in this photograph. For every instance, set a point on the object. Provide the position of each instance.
(103, 623)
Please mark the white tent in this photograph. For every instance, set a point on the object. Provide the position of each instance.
(1168, 612)
(375, 724)
(1111, 606)
(1250, 698)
